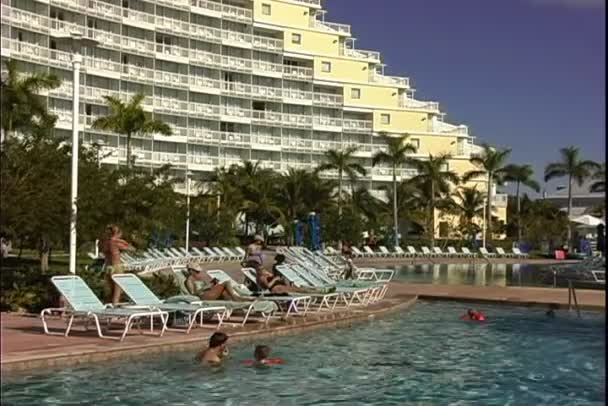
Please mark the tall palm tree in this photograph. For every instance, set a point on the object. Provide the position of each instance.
(395, 156)
(22, 106)
(576, 169)
(343, 162)
(436, 180)
(492, 165)
(600, 177)
(468, 203)
(130, 119)
(521, 175)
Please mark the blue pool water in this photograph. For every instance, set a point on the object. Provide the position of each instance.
(477, 274)
(423, 356)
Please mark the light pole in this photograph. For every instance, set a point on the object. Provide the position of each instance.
(188, 174)
(77, 42)
(483, 225)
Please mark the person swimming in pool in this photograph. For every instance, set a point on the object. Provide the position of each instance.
(217, 350)
(261, 357)
(474, 315)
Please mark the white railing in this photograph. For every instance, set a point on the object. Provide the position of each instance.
(181, 4)
(326, 99)
(236, 37)
(172, 25)
(204, 136)
(388, 172)
(316, 3)
(204, 110)
(500, 200)
(138, 73)
(267, 66)
(297, 144)
(203, 160)
(296, 120)
(269, 44)
(322, 146)
(24, 19)
(205, 33)
(297, 72)
(235, 88)
(170, 105)
(140, 17)
(205, 58)
(170, 78)
(94, 7)
(266, 116)
(327, 122)
(207, 5)
(265, 92)
(357, 125)
(324, 25)
(239, 139)
(443, 127)
(172, 51)
(138, 45)
(296, 94)
(235, 112)
(361, 148)
(204, 82)
(390, 80)
(408, 103)
(265, 140)
(373, 56)
(236, 13)
(235, 63)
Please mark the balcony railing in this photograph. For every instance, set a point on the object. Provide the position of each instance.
(443, 127)
(268, 44)
(170, 78)
(239, 64)
(324, 99)
(316, 3)
(343, 29)
(266, 140)
(236, 112)
(327, 122)
(267, 66)
(204, 136)
(139, 17)
(236, 13)
(205, 33)
(408, 103)
(297, 120)
(202, 82)
(172, 51)
(170, 105)
(390, 80)
(235, 139)
(296, 94)
(204, 110)
(205, 58)
(500, 200)
(138, 73)
(207, 5)
(371, 56)
(357, 125)
(267, 117)
(265, 92)
(297, 72)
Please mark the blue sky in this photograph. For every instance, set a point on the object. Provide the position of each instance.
(523, 74)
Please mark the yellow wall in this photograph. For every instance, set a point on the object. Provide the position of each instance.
(286, 14)
(312, 42)
(372, 96)
(401, 121)
(435, 145)
(342, 70)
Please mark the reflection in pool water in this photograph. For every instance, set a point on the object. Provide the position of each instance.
(424, 356)
(475, 274)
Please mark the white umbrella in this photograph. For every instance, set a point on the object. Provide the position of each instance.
(587, 220)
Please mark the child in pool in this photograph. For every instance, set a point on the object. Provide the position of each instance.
(262, 357)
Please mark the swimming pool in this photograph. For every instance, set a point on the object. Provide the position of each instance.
(424, 356)
(477, 274)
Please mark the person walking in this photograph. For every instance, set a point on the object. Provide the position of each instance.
(111, 247)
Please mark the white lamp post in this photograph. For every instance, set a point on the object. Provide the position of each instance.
(188, 174)
(77, 42)
(483, 225)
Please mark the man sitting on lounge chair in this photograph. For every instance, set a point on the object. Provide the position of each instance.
(196, 286)
(216, 351)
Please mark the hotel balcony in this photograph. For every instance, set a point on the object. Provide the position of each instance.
(413, 104)
(363, 126)
(371, 56)
(500, 200)
(297, 72)
(329, 100)
(443, 127)
(390, 80)
(341, 29)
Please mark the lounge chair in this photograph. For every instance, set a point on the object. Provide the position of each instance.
(213, 256)
(256, 305)
(453, 253)
(358, 254)
(142, 296)
(427, 252)
(468, 253)
(203, 257)
(412, 251)
(291, 304)
(331, 251)
(232, 256)
(224, 257)
(371, 253)
(485, 253)
(502, 253)
(439, 253)
(519, 254)
(385, 251)
(84, 304)
(398, 251)
(241, 252)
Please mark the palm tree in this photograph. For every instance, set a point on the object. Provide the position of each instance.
(521, 175)
(600, 176)
(22, 106)
(395, 156)
(574, 168)
(130, 119)
(435, 179)
(468, 203)
(491, 164)
(343, 162)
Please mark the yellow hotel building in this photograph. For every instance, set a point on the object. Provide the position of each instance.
(260, 80)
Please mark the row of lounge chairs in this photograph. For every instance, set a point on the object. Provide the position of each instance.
(425, 252)
(154, 259)
(144, 306)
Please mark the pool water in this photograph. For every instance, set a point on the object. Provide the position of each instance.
(477, 274)
(423, 356)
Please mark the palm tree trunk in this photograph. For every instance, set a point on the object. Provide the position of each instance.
(340, 193)
(518, 214)
(489, 208)
(570, 243)
(129, 151)
(432, 214)
(395, 216)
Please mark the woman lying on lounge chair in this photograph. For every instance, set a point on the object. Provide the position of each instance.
(268, 281)
(209, 291)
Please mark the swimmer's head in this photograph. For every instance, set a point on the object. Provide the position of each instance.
(471, 312)
(218, 340)
(261, 352)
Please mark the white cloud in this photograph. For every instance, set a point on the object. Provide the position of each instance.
(578, 4)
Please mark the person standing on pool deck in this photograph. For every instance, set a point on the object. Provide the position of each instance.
(254, 250)
(217, 350)
(111, 246)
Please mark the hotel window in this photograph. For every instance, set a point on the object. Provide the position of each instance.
(416, 143)
(266, 10)
(296, 38)
(355, 93)
(385, 119)
(326, 67)
(445, 167)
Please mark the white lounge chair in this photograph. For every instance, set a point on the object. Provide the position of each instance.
(398, 252)
(412, 251)
(453, 253)
(485, 253)
(502, 253)
(438, 252)
(371, 252)
(386, 252)
(519, 254)
(427, 252)
(358, 254)
(468, 253)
